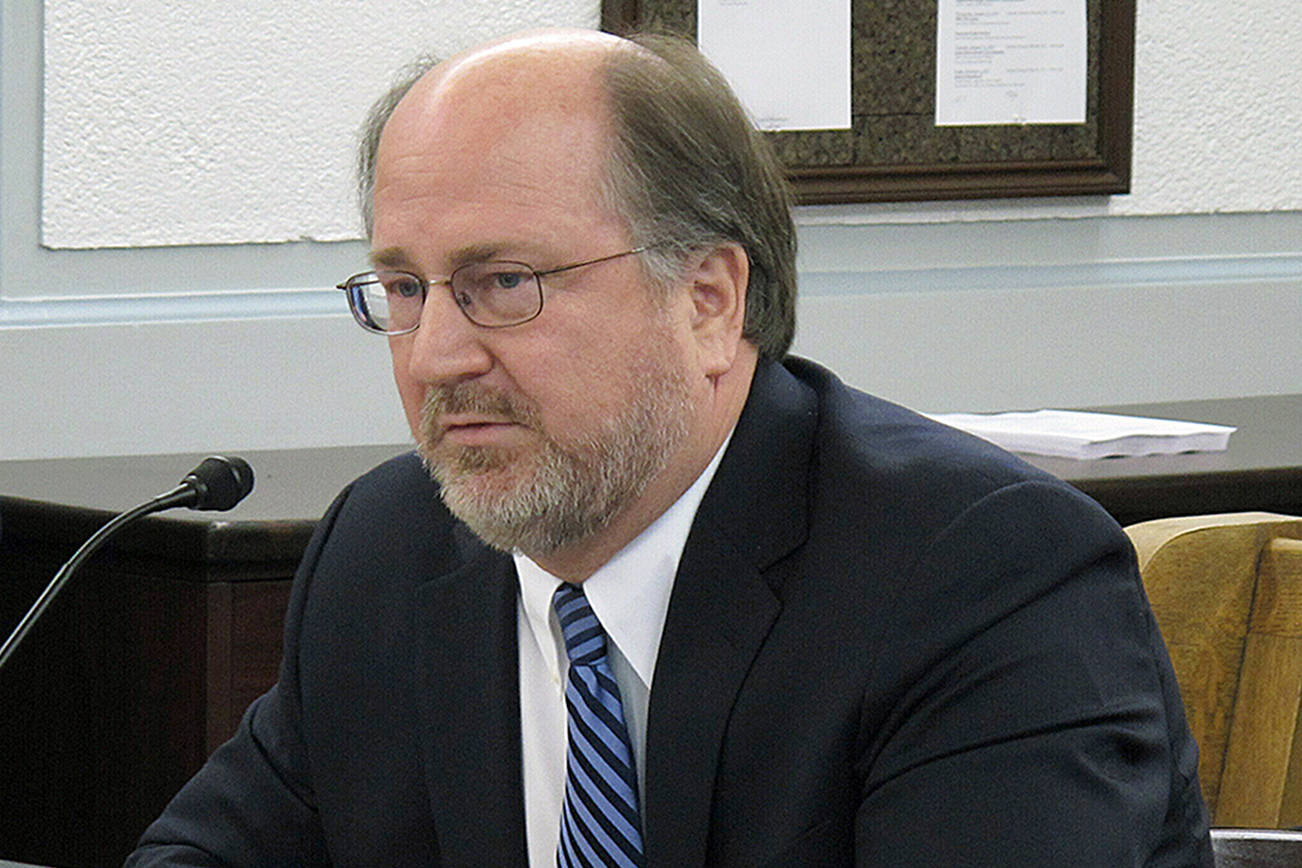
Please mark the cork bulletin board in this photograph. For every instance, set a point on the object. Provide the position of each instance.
(895, 152)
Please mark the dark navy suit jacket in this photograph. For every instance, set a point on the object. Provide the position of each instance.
(888, 644)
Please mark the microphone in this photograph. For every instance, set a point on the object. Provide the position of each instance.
(218, 483)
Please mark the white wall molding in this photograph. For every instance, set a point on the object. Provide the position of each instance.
(1114, 275)
(255, 304)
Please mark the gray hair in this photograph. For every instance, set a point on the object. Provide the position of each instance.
(373, 127)
(689, 171)
(686, 169)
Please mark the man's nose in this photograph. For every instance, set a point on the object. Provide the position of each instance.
(447, 347)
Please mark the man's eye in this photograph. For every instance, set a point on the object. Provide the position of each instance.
(404, 288)
(508, 279)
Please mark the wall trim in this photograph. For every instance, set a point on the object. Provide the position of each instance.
(146, 309)
(1136, 273)
(291, 303)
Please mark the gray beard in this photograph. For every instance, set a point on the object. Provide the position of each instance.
(552, 496)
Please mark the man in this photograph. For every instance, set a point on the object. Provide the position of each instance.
(817, 629)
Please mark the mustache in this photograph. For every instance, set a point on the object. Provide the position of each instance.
(472, 397)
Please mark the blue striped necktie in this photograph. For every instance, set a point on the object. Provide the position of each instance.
(599, 820)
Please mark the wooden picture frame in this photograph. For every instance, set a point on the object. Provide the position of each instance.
(894, 152)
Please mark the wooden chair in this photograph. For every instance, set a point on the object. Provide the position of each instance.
(1227, 593)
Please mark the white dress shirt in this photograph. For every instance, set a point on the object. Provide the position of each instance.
(629, 595)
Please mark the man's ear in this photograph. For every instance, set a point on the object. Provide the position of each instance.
(718, 287)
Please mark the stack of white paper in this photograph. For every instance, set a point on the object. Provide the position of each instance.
(1076, 434)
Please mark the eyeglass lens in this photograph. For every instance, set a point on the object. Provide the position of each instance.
(497, 293)
(489, 293)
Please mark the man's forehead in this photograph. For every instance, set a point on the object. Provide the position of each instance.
(512, 137)
(527, 114)
(511, 104)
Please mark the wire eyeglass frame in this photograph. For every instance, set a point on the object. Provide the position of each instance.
(487, 295)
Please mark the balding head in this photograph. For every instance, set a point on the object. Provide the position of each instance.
(525, 76)
(535, 73)
(561, 49)
(482, 114)
(683, 165)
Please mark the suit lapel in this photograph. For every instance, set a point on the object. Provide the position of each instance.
(722, 608)
(466, 621)
(716, 622)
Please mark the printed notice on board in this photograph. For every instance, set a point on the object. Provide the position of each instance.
(788, 60)
(1010, 62)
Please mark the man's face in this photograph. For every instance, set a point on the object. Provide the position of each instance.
(539, 432)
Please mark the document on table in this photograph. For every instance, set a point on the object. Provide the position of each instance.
(788, 60)
(1010, 62)
(1077, 434)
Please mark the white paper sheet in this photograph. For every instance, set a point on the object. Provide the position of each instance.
(1010, 62)
(788, 60)
(1078, 434)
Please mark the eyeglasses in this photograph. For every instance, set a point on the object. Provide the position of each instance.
(491, 294)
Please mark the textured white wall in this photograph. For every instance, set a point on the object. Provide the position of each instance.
(225, 122)
(945, 306)
(202, 123)
(1218, 107)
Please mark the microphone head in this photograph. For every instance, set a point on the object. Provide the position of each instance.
(219, 482)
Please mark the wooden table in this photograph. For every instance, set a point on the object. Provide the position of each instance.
(146, 662)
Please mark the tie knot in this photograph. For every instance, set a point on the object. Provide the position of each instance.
(585, 641)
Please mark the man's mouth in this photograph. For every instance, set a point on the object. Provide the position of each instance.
(476, 430)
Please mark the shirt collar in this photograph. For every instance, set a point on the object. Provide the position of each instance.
(630, 592)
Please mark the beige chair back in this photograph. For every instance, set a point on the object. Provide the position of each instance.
(1227, 593)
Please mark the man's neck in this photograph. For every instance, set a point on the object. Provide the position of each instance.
(577, 562)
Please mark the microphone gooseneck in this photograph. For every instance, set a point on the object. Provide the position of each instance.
(218, 483)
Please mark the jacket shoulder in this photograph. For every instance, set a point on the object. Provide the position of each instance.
(862, 438)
